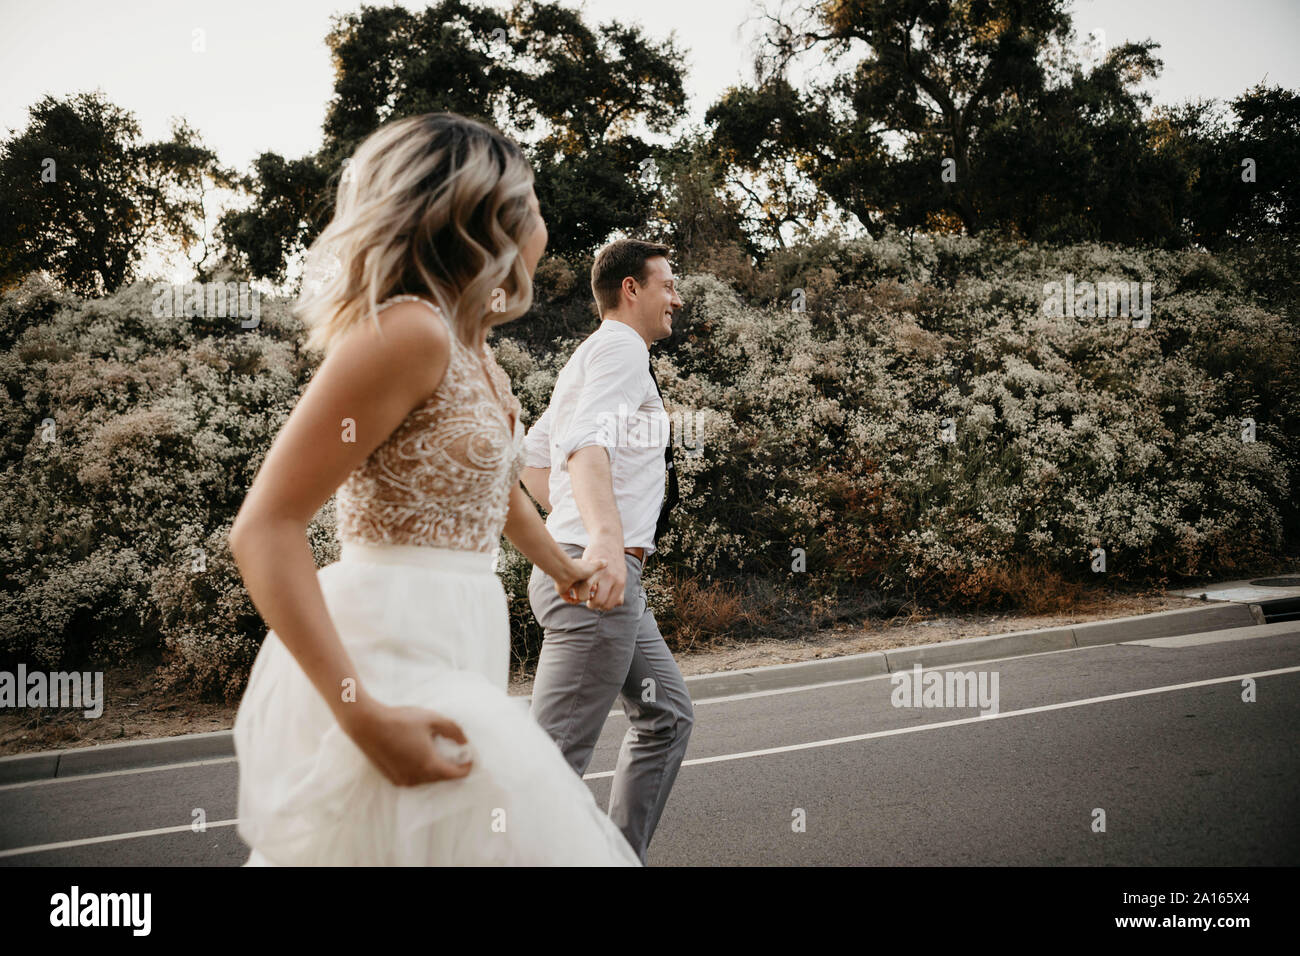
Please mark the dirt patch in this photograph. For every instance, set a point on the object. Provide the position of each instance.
(135, 709)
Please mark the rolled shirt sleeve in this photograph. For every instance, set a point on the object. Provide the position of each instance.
(612, 392)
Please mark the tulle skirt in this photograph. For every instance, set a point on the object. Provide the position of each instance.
(425, 627)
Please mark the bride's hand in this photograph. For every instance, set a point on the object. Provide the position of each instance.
(573, 586)
(400, 742)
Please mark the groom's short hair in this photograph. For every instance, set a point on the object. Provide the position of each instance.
(614, 263)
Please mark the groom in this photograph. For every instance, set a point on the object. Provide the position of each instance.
(596, 459)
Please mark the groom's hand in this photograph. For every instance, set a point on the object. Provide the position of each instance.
(572, 583)
(608, 583)
(593, 493)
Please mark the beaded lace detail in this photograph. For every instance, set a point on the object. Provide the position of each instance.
(443, 478)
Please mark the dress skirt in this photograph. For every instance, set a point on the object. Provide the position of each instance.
(425, 627)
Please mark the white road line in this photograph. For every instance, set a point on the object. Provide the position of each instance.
(937, 725)
(725, 699)
(772, 691)
(751, 694)
(748, 695)
(77, 777)
(111, 838)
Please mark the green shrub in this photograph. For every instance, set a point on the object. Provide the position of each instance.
(822, 488)
(130, 440)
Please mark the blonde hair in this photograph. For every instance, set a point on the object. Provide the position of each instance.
(434, 204)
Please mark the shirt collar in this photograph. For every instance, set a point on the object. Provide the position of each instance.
(622, 328)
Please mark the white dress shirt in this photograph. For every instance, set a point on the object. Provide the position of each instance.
(605, 396)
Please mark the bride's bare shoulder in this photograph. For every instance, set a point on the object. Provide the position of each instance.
(413, 321)
(405, 345)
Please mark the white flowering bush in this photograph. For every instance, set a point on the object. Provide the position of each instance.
(926, 429)
(879, 422)
(129, 443)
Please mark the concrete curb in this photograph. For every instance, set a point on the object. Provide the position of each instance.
(130, 755)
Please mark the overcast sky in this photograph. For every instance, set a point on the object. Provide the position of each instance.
(264, 80)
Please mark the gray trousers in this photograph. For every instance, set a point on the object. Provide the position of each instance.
(589, 658)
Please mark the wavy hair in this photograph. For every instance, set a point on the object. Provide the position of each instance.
(434, 204)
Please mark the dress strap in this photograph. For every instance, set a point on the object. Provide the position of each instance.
(485, 361)
(393, 299)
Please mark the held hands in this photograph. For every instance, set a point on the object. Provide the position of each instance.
(572, 586)
(400, 742)
(605, 587)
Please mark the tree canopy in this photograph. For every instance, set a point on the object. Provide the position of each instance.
(963, 116)
(81, 195)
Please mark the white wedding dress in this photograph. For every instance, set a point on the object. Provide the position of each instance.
(423, 617)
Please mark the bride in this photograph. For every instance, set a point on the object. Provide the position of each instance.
(376, 728)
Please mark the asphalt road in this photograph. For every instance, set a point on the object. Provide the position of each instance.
(1156, 735)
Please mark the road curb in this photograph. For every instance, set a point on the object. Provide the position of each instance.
(1195, 620)
(127, 755)
(130, 755)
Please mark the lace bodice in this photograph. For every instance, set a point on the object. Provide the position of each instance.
(443, 478)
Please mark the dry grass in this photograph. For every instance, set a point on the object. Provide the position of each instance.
(702, 611)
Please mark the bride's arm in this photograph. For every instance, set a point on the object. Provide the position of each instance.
(538, 482)
(374, 381)
(536, 475)
(527, 532)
